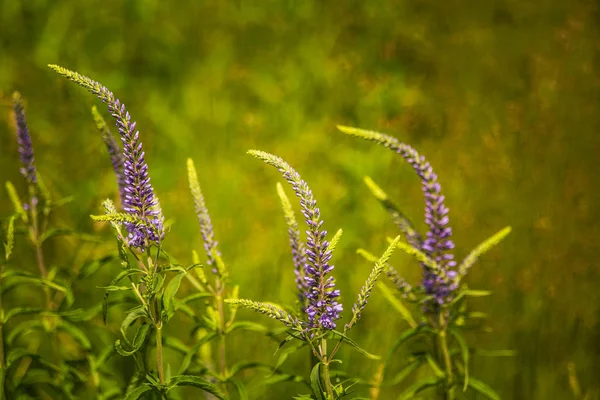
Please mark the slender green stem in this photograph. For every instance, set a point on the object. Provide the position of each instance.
(325, 370)
(220, 291)
(443, 343)
(159, 354)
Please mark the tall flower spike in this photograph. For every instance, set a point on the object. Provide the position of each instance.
(114, 151)
(139, 199)
(323, 309)
(365, 291)
(438, 241)
(296, 245)
(24, 140)
(206, 228)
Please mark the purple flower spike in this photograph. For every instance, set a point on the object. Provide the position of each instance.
(139, 199)
(24, 140)
(323, 309)
(437, 242)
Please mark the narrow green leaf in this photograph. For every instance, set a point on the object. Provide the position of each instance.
(187, 360)
(170, 291)
(418, 387)
(397, 304)
(196, 381)
(356, 346)
(315, 383)
(196, 296)
(464, 351)
(23, 329)
(76, 333)
(136, 344)
(241, 389)
(131, 316)
(484, 389)
(405, 372)
(495, 353)
(22, 311)
(138, 392)
(434, 367)
(405, 336)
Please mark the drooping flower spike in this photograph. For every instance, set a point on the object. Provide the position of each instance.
(323, 308)
(24, 140)
(139, 199)
(438, 240)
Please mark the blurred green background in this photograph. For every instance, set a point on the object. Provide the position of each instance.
(501, 96)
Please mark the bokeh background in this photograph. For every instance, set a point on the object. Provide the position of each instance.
(502, 96)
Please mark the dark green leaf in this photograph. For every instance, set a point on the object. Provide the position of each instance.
(464, 351)
(247, 325)
(241, 389)
(138, 392)
(170, 291)
(406, 371)
(356, 346)
(196, 381)
(315, 382)
(76, 333)
(484, 389)
(418, 387)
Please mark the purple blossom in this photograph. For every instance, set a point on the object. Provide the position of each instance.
(139, 199)
(323, 309)
(24, 140)
(439, 284)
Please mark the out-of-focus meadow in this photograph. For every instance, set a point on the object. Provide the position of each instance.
(503, 97)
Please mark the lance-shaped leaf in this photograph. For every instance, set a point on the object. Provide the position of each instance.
(481, 249)
(198, 382)
(484, 389)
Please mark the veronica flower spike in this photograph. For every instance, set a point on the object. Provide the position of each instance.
(437, 244)
(139, 199)
(24, 140)
(322, 308)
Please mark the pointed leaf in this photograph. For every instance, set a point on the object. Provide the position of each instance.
(196, 381)
(484, 389)
(397, 304)
(418, 387)
(138, 392)
(315, 383)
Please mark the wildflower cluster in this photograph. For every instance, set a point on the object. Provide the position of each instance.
(38, 362)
